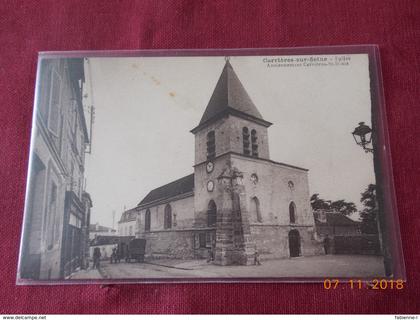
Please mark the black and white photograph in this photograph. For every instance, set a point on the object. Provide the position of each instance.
(205, 168)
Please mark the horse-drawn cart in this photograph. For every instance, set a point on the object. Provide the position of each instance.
(128, 250)
(136, 250)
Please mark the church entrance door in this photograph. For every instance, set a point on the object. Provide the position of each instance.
(294, 243)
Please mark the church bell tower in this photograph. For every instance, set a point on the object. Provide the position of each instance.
(231, 125)
(232, 120)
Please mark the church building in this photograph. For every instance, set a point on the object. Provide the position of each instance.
(237, 201)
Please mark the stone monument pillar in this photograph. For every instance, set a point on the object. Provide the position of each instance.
(233, 236)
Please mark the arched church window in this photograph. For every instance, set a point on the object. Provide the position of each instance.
(147, 220)
(211, 214)
(211, 145)
(255, 209)
(167, 221)
(254, 143)
(292, 212)
(245, 140)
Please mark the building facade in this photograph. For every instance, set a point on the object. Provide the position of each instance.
(127, 224)
(106, 243)
(342, 235)
(98, 230)
(57, 211)
(238, 201)
(330, 223)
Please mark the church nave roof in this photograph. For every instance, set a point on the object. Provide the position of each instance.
(172, 189)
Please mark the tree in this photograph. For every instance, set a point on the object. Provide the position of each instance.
(344, 207)
(317, 203)
(341, 206)
(370, 211)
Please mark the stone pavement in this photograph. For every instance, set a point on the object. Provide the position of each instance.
(86, 274)
(329, 266)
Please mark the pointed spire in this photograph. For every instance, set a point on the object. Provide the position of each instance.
(229, 96)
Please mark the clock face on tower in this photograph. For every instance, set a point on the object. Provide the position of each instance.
(209, 167)
(210, 186)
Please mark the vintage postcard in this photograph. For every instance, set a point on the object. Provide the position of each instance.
(209, 166)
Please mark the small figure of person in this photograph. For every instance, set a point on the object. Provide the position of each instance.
(114, 255)
(210, 255)
(96, 258)
(117, 255)
(257, 258)
(327, 245)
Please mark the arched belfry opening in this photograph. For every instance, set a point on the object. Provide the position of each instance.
(245, 141)
(230, 107)
(211, 145)
(254, 141)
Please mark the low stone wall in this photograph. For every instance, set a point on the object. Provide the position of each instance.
(357, 244)
(174, 244)
(272, 241)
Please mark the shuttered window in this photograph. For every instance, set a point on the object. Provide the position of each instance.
(245, 141)
(254, 143)
(54, 103)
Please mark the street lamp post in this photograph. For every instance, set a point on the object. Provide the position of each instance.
(362, 134)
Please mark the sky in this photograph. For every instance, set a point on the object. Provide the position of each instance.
(145, 108)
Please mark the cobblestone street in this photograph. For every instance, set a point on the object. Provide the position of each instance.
(316, 266)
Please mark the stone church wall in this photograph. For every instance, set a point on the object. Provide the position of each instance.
(163, 244)
(278, 185)
(176, 242)
(221, 129)
(272, 241)
(273, 191)
(236, 140)
(182, 214)
(202, 196)
(228, 137)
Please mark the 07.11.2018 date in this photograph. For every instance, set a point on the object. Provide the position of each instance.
(374, 284)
